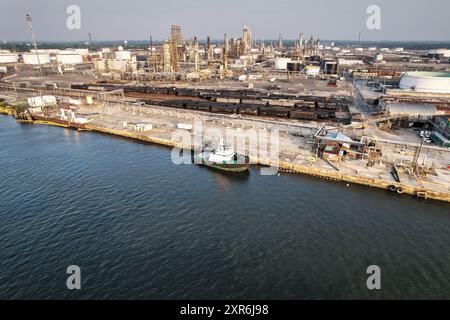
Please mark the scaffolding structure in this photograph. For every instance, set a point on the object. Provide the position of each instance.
(176, 47)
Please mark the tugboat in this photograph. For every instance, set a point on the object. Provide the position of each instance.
(223, 158)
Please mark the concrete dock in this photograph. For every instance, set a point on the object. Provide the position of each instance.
(295, 151)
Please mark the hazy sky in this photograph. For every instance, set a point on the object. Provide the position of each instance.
(137, 19)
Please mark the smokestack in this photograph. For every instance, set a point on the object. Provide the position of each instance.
(196, 59)
(208, 48)
(301, 42)
(225, 52)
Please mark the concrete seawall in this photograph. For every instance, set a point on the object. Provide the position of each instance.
(356, 179)
(283, 166)
(295, 168)
(8, 111)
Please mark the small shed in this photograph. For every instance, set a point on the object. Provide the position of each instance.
(331, 152)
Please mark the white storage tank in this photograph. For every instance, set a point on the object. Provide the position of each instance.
(348, 62)
(295, 66)
(281, 63)
(8, 57)
(69, 58)
(435, 82)
(330, 67)
(32, 58)
(123, 55)
(82, 51)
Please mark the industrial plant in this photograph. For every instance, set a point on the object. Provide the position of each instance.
(215, 158)
(377, 116)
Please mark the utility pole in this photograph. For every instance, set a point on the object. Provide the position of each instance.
(33, 37)
(417, 154)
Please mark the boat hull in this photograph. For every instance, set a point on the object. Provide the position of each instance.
(240, 165)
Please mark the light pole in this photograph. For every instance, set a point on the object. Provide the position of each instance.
(33, 37)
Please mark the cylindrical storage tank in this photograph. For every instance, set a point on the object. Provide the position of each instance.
(281, 63)
(330, 67)
(8, 57)
(69, 58)
(82, 51)
(313, 58)
(435, 82)
(294, 66)
(312, 70)
(31, 58)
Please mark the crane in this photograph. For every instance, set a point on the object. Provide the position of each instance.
(33, 37)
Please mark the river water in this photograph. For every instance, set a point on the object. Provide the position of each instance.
(141, 227)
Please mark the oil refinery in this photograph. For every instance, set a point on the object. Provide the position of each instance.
(383, 98)
(223, 151)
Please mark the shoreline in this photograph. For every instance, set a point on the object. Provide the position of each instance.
(418, 192)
